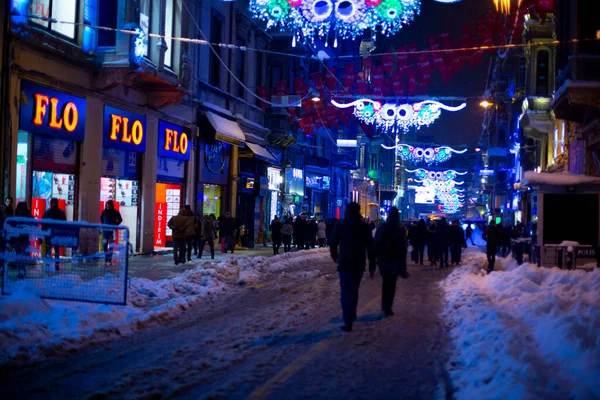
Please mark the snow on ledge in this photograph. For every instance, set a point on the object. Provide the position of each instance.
(537, 178)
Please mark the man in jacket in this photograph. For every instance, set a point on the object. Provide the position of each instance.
(492, 237)
(179, 224)
(276, 234)
(54, 213)
(190, 231)
(390, 245)
(109, 216)
(457, 242)
(354, 239)
(209, 233)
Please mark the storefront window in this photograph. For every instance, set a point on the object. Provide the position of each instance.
(22, 162)
(125, 194)
(168, 204)
(212, 200)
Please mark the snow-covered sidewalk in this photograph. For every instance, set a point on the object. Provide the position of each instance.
(32, 328)
(523, 332)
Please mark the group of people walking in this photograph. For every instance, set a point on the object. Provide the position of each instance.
(305, 233)
(444, 242)
(351, 240)
(193, 231)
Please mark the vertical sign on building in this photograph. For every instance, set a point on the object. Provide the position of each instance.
(160, 230)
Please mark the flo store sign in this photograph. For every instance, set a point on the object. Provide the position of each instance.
(124, 130)
(51, 113)
(173, 141)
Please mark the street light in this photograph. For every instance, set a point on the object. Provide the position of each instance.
(315, 97)
(478, 149)
(485, 104)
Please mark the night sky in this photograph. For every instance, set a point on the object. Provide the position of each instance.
(464, 127)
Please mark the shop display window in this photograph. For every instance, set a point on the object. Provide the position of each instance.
(125, 194)
(212, 200)
(168, 204)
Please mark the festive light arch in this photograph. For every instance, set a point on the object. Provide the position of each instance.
(444, 175)
(430, 155)
(309, 19)
(390, 117)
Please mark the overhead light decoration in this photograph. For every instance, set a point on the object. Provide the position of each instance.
(503, 6)
(310, 19)
(430, 155)
(393, 118)
(445, 175)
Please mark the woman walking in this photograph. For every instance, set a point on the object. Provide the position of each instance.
(322, 233)
(287, 231)
(391, 248)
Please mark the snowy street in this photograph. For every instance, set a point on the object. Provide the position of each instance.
(278, 337)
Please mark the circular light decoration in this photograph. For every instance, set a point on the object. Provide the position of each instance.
(310, 19)
(443, 186)
(429, 155)
(392, 118)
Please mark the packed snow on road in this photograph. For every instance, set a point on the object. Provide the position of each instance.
(32, 328)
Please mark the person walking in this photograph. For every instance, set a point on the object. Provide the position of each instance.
(179, 224)
(287, 231)
(7, 211)
(419, 239)
(190, 231)
(21, 243)
(322, 233)
(109, 216)
(432, 244)
(351, 239)
(276, 226)
(197, 232)
(457, 242)
(443, 238)
(208, 233)
(57, 214)
(390, 247)
(492, 236)
(507, 236)
(227, 229)
(311, 235)
(299, 233)
(470, 234)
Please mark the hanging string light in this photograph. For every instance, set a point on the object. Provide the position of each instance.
(347, 18)
(430, 155)
(390, 117)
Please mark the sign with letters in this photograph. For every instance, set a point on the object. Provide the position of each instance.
(173, 141)
(48, 112)
(124, 130)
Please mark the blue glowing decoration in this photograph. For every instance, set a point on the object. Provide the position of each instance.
(310, 19)
(429, 155)
(445, 175)
(139, 47)
(394, 118)
(443, 185)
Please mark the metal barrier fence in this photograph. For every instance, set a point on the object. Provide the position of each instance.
(66, 260)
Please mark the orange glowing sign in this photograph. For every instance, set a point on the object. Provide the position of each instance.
(124, 130)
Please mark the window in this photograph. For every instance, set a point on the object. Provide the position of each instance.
(216, 36)
(145, 21)
(541, 73)
(108, 17)
(61, 10)
(169, 14)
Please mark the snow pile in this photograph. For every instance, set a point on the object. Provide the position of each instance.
(523, 331)
(32, 328)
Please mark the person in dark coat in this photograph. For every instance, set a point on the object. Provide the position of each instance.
(457, 237)
(109, 216)
(443, 241)
(412, 234)
(491, 235)
(190, 233)
(418, 240)
(311, 233)
(390, 246)
(276, 226)
(54, 213)
(208, 232)
(351, 239)
(432, 243)
(287, 231)
(198, 233)
(299, 228)
(6, 212)
(470, 234)
(507, 236)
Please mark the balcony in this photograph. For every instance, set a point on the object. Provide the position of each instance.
(578, 96)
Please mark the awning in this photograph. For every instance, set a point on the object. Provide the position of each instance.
(226, 130)
(261, 153)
